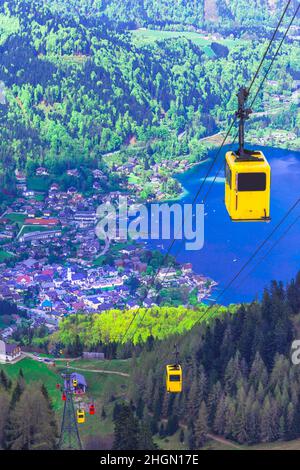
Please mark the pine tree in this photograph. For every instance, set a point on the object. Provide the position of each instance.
(126, 435)
(258, 372)
(266, 422)
(193, 402)
(293, 294)
(172, 425)
(140, 408)
(16, 394)
(46, 396)
(229, 417)
(213, 401)
(103, 413)
(32, 423)
(201, 426)
(145, 438)
(162, 431)
(4, 411)
(220, 416)
(4, 381)
(240, 425)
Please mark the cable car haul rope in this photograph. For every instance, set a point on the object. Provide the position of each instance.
(247, 193)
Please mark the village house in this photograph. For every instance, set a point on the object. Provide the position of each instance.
(35, 236)
(20, 176)
(98, 174)
(187, 268)
(93, 302)
(41, 171)
(47, 305)
(85, 219)
(166, 273)
(93, 355)
(41, 221)
(74, 173)
(9, 352)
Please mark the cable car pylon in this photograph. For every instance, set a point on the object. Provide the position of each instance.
(69, 435)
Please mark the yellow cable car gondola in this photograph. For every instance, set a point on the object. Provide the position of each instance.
(174, 376)
(247, 177)
(80, 416)
(75, 383)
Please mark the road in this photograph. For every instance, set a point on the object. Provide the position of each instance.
(95, 371)
(101, 371)
(224, 441)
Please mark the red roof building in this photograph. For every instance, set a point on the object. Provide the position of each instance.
(23, 279)
(41, 221)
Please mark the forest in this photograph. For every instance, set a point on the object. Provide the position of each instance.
(239, 380)
(208, 13)
(110, 327)
(239, 383)
(22, 404)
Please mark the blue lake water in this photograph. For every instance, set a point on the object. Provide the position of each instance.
(229, 245)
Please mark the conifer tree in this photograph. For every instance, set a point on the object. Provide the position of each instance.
(145, 438)
(266, 426)
(4, 411)
(4, 381)
(31, 423)
(126, 435)
(201, 426)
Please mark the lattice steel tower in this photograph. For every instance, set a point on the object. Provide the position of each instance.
(69, 435)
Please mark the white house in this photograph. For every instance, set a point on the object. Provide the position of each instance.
(9, 352)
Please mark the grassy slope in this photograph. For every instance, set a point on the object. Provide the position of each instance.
(114, 365)
(36, 372)
(143, 37)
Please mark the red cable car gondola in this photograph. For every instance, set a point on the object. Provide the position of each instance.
(92, 409)
(58, 386)
(64, 397)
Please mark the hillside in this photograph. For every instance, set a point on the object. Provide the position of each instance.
(76, 92)
(184, 12)
(239, 381)
(105, 389)
(240, 388)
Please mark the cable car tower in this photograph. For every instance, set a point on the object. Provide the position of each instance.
(69, 435)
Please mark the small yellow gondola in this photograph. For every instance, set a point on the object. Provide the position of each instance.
(80, 416)
(174, 378)
(75, 383)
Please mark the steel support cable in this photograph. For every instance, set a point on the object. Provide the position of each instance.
(282, 236)
(254, 254)
(257, 93)
(155, 276)
(205, 316)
